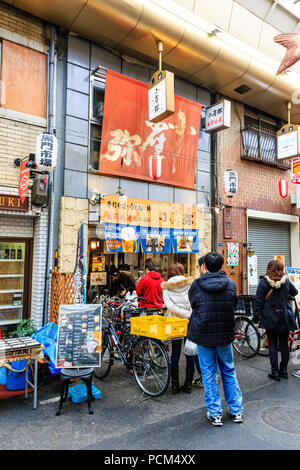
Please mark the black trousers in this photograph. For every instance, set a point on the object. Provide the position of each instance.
(278, 341)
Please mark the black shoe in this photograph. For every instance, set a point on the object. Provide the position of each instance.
(275, 375)
(187, 387)
(238, 418)
(175, 380)
(283, 372)
(215, 421)
(175, 388)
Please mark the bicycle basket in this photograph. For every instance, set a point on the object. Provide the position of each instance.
(159, 327)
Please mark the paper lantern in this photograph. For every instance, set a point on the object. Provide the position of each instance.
(46, 152)
(230, 183)
(283, 187)
(155, 166)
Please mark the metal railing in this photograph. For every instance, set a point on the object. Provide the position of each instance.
(260, 145)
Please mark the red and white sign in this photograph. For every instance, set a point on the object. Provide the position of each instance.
(296, 178)
(23, 181)
(283, 187)
(134, 147)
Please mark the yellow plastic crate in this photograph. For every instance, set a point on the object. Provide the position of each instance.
(159, 327)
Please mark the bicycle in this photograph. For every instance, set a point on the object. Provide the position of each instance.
(146, 357)
(247, 340)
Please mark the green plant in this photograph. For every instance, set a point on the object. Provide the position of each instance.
(25, 328)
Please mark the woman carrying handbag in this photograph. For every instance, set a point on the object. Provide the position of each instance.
(272, 313)
(175, 295)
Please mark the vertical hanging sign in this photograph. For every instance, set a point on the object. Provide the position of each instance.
(23, 181)
(78, 274)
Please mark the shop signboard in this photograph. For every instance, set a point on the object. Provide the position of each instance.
(134, 147)
(185, 241)
(98, 279)
(78, 274)
(288, 142)
(252, 271)
(79, 336)
(279, 258)
(13, 203)
(121, 238)
(161, 96)
(155, 226)
(233, 253)
(218, 116)
(23, 180)
(294, 277)
(296, 170)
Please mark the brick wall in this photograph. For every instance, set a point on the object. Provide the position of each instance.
(17, 140)
(21, 23)
(257, 183)
(18, 132)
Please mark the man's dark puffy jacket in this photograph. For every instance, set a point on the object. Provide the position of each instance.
(213, 299)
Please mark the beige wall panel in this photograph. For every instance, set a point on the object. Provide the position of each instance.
(189, 4)
(267, 44)
(216, 11)
(72, 212)
(117, 24)
(57, 11)
(147, 32)
(245, 25)
(255, 78)
(194, 51)
(223, 70)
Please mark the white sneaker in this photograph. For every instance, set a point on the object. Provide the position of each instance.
(215, 421)
(238, 418)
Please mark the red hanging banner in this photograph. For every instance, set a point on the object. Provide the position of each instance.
(23, 181)
(133, 147)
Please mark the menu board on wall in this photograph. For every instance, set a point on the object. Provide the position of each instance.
(294, 277)
(79, 336)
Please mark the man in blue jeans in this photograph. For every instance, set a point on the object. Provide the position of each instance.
(213, 299)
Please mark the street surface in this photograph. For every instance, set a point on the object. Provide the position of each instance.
(124, 421)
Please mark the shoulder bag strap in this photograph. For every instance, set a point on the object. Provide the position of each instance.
(268, 294)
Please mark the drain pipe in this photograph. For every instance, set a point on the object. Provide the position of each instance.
(50, 129)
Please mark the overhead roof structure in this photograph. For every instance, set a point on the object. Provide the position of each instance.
(194, 48)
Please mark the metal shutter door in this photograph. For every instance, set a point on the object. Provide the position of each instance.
(268, 239)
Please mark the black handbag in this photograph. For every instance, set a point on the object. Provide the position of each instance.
(291, 318)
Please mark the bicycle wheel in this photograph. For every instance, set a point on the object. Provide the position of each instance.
(151, 366)
(263, 347)
(106, 358)
(247, 340)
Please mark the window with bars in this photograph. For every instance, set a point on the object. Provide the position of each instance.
(96, 118)
(259, 142)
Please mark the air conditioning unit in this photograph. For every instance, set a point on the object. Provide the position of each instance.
(39, 190)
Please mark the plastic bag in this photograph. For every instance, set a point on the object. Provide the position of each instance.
(190, 348)
(47, 336)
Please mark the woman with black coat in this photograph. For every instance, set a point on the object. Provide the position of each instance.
(270, 310)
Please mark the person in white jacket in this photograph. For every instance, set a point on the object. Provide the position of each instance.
(176, 300)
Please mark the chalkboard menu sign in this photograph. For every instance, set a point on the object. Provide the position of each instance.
(79, 336)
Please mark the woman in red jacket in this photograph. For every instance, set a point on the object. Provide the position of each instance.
(149, 287)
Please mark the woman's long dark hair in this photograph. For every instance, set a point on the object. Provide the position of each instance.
(275, 270)
(175, 269)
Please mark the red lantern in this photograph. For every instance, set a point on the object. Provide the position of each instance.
(155, 166)
(283, 187)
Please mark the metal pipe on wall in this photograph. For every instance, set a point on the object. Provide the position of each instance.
(50, 128)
